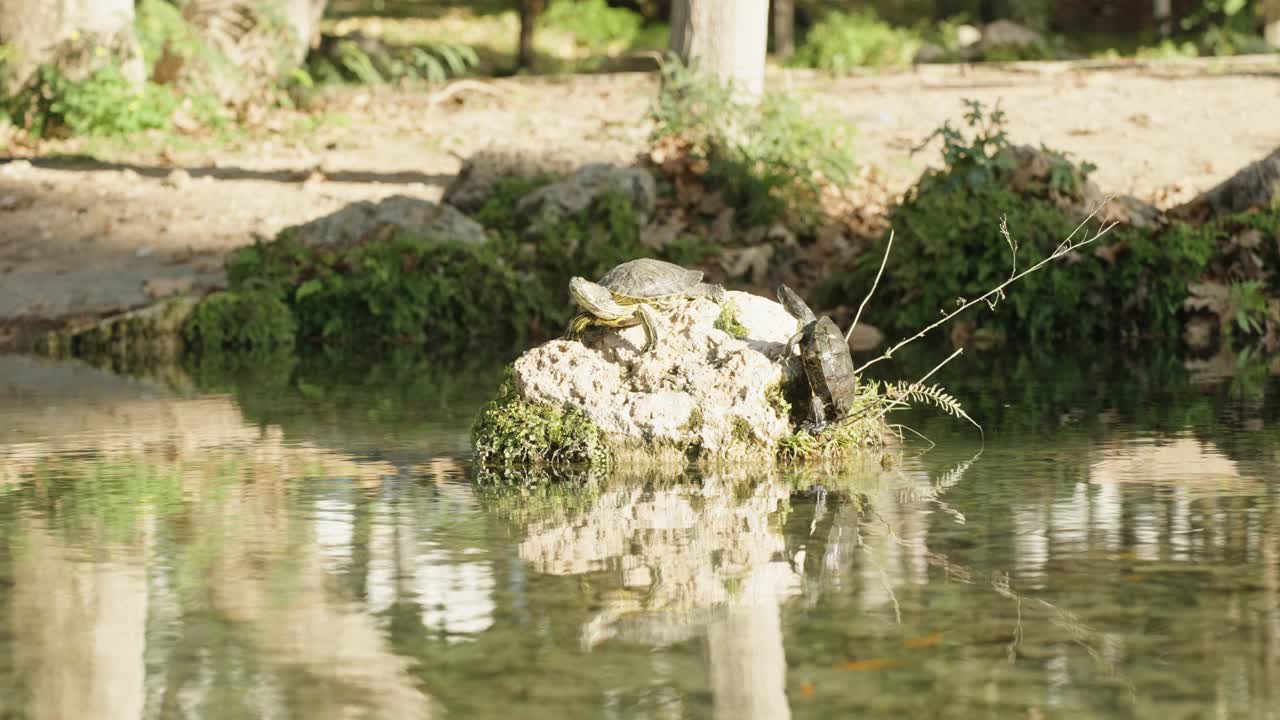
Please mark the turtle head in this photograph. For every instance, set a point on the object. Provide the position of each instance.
(595, 299)
(795, 305)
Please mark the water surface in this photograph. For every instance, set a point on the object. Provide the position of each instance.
(295, 541)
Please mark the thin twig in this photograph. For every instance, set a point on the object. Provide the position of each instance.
(1062, 249)
(883, 261)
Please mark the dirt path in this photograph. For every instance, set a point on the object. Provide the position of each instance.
(80, 239)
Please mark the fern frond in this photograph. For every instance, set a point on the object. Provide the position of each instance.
(936, 395)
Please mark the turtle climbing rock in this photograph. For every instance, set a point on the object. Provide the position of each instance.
(828, 364)
(627, 295)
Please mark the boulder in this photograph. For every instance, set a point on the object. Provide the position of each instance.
(549, 205)
(699, 392)
(480, 172)
(361, 220)
(1010, 37)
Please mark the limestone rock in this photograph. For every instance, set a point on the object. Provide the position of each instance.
(358, 221)
(548, 205)
(698, 389)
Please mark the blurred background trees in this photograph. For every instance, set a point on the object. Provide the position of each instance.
(67, 63)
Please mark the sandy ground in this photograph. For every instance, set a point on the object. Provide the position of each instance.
(84, 238)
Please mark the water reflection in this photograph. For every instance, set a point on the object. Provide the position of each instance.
(167, 554)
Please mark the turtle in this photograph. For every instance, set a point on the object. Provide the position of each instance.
(627, 294)
(828, 364)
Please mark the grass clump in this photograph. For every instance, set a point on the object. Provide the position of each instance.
(240, 320)
(103, 104)
(774, 161)
(842, 42)
(728, 321)
(510, 431)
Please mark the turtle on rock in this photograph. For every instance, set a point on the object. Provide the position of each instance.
(828, 364)
(628, 294)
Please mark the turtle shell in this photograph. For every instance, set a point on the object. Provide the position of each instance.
(647, 278)
(828, 365)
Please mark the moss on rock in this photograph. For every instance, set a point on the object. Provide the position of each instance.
(511, 431)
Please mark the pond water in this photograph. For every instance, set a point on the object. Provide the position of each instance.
(286, 540)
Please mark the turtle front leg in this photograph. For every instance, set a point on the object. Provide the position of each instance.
(650, 324)
(577, 325)
(818, 418)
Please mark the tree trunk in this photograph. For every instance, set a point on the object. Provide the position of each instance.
(1271, 18)
(725, 39)
(529, 11)
(67, 32)
(303, 17)
(1163, 12)
(784, 28)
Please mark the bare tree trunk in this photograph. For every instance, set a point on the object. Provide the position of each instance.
(1163, 12)
(529, 12)
(41, 31)
(726, 39)
(784, 27)
(1271, 18)
(303, 16)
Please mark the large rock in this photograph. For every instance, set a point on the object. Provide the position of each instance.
(1009, 37)
(358, 221)
(548, 205)
(482, 171)
(699, 390)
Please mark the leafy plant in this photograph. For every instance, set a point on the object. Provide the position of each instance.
(773, 160)
(842, 42)
(1250, 307)
(593, 23)
(369, 61)
(728, 321)
(105, 103)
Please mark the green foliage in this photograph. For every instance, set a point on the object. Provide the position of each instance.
(948, 229)
(728, 321)
(1251, 309)
(242, 320)
(864, 427)
(593, 23)
(842, 42)
(774, 160)
(395, 287)
(510, 431)
(104, 103)
(499, 210)
(375, 63)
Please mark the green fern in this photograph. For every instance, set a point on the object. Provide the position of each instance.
(936, 395)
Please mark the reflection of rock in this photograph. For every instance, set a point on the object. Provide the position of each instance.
(681, 550)
(699, 387)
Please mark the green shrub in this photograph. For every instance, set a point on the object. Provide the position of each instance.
(950, 247)
(399, 288)
(774, 161)
(842, 42)
(103, 104)
(593, 23)
(240, 320)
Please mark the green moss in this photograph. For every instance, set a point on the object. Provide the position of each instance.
(510, 431)
(741, 430)
(776, 396)
(728, 321)
(243, 320)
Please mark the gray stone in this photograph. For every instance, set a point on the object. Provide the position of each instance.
(360, 221)
(549, 205)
